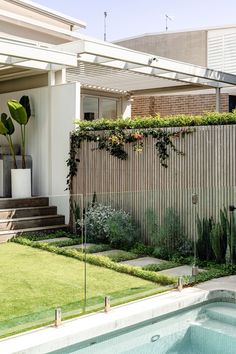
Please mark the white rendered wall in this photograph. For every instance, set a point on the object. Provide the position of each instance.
(36, 134)
(126, 107)
(65, 108)
(53, 113)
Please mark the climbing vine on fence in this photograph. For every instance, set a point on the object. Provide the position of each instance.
(113, 141)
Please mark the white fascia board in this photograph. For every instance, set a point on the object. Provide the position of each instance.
(129, 56)
(43, 10)
(31, 23)
(27, 64)
(30, 52)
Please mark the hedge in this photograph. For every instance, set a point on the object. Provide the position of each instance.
(158, 122)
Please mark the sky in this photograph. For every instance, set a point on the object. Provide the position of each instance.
(128, 18)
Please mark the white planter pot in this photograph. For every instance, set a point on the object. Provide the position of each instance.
(21, 183)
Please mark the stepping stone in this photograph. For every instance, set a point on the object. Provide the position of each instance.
(57, 239)
(143, 261)
(79, 246)
(107, 253)
(179, 271)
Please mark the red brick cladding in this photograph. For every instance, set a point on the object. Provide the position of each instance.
(179, 104)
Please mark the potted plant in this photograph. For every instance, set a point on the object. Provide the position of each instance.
(7, 129)
(21, 177)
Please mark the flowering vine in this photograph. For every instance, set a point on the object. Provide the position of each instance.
(114, 142)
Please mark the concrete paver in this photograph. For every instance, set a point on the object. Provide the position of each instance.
(179, 271)
(107, 253)
(80, 245)
(225, 283)
(57, 239)
(143, 261)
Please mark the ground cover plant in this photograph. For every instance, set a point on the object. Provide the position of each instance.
(34, 282)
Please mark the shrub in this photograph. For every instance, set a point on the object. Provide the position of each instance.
(180, 120)
(152, 225)
(142, 250)
(104, 224)
(95, 221)
(171, 238)
(120, 229)
(218, 237)
(203, 245)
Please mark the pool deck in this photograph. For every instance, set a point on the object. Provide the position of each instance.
(50, 338)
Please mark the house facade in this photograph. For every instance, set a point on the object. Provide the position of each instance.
(69, 76)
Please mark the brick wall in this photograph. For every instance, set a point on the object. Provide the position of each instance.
(179, 104)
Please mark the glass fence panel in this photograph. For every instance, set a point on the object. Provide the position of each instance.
(112, 248)
(40, 269)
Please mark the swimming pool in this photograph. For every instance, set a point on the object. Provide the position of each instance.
(206, 329)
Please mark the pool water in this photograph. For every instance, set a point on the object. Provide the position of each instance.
(207, 329)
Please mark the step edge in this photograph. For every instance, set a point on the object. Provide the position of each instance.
(49, 227)
(28, 208)
(38, 217)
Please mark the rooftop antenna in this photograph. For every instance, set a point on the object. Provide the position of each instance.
(105, 26)
(168, 18)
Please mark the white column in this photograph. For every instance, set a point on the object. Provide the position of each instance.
(51, 82)
(60, 77)
(217, 99)
(126, 107)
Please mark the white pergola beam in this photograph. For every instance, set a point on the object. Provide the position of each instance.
(129, 56)
(26, 51)
(151, 71)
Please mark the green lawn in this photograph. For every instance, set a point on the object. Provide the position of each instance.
(34, 282)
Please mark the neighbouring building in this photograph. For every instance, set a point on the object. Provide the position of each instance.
(213, 47)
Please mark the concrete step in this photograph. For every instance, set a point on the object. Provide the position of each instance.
(34, 221)
(27, 212)
(10, 203)
(7, 235)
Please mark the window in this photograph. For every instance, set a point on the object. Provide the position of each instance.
(90, 107)
(108, 108)
(99, 107)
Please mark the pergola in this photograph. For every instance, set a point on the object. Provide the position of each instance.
(102, 65)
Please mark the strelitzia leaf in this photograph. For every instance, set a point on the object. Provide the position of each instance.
(8, 123)
(18, 112)
(3, 129)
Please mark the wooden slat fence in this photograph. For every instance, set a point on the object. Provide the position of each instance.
(208, 168)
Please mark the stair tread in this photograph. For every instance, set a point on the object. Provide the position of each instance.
(9, 203)
(227, 310)
(27, 208)
(40, 228)
(31, 218)
(28, 198)
(223, 328)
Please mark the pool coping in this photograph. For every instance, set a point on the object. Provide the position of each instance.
(50, 338)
